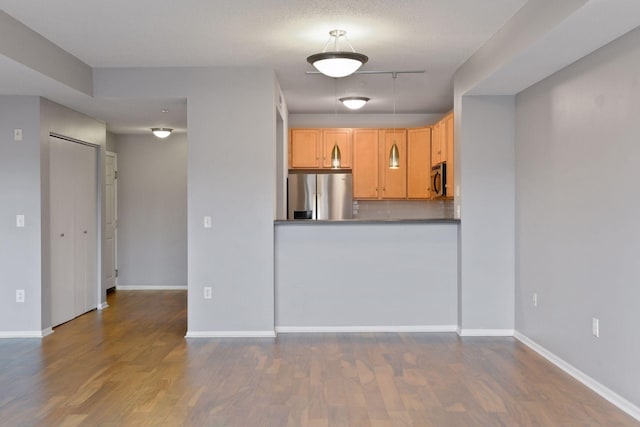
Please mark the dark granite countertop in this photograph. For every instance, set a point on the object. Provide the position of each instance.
(367, 221)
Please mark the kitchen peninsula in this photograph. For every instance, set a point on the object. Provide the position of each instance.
(366, 275)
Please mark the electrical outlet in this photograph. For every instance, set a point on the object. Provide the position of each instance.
(208, 291)
(535, 299)
(20, 221)
(17, 134)
(19, 295)
(595, 327)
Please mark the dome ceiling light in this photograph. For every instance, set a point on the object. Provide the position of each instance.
(337, 63)
(354, 102)
(161, 132)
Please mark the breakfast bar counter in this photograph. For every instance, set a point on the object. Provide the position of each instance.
(366, 275)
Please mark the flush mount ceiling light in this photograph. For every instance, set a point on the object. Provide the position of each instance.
(354, 102)
(337, 63)
(161, 132)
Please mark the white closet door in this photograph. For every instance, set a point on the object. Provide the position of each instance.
(73, 214)
(62, 205)
(85, 228)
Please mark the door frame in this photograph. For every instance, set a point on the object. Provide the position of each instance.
(115, 214)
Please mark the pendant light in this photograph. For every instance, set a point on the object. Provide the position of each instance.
(336, 158)
(337, 63)
(394, 154)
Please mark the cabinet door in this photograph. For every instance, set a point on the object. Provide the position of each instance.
(342, 137)
(365, 163)
(448, 127)
(436, 144)
(394, 181)
(419, 163)
(304, 148)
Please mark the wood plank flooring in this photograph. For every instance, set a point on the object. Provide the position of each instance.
(130, 365)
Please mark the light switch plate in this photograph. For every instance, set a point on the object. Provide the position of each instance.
(207, 222)
(17, 134)
(19, 220)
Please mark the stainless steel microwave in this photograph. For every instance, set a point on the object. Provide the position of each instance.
(439, 180)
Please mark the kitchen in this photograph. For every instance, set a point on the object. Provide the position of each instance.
(391, 257)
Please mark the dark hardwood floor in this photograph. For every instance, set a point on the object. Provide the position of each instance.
(130, 365)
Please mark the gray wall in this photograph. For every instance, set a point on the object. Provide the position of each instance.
(232, 178)
(24, 189)
(370, 276)
(577, 211)
(111, 142)
(487, 230)
(152, 210)
(20, 194)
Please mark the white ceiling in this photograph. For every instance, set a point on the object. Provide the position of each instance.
(434, 35)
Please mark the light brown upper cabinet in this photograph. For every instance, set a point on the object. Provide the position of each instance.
(365, 163)
(393, 181)
(342, 137)
(437, 143)
(311, 148)
(304, 148)
(448, 126)
(419, 163)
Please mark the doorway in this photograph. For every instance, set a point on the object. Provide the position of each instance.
(110, 236)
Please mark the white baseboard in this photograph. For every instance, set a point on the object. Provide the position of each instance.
(485, 332)
(585, 379)
(151, 288)
(26, 334)
(230, 334)
(103, 305)
(363, 329)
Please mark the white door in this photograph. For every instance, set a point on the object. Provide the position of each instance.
(111, 217)
(73, 214)
(86, 212)
(61, 207)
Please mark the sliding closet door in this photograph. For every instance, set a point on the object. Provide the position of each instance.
(61, 214)
(85, 228)
(73, 213)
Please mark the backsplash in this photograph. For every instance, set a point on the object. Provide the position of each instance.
(402, 209)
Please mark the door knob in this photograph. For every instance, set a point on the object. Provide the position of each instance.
(85, 231)
(61, 234)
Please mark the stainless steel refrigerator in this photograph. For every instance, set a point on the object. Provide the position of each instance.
(320, 196)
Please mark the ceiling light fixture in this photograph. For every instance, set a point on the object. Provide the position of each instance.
(337, 63)
(161, 132)
(354, 102)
